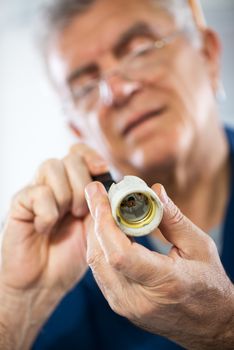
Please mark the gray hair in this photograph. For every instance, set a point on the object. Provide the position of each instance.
(181, 12)
(56, 15)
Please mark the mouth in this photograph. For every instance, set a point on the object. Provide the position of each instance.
(141, 119)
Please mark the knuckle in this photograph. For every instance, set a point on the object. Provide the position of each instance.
(71, 157)
(51, 218)
(176, 216)
(49, 163)
(83, 152)
(145, 310)
(117, 260)
(94, 259)
(78, 148)
(118, 309)
(42, 192)
(209, 245)
(46, 168)
(21, 202)
(18, 195)
(86, 152)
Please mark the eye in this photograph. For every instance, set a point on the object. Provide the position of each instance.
(138, 43)
(81, 91)
(84, 80)
(88, 88)
(142, 50)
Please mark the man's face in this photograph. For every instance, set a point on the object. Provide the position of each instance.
(149, 123)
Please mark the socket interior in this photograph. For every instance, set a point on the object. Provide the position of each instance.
(136, 210)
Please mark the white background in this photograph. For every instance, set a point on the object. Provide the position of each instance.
(32, 127)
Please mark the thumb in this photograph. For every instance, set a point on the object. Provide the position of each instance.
(177, 228)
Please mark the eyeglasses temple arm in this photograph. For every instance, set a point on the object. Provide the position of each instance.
(197, 13)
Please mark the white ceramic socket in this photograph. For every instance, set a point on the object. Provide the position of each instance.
(127, 186)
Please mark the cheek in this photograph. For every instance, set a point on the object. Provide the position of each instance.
(192, 86)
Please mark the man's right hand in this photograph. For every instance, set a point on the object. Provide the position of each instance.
(44, 242)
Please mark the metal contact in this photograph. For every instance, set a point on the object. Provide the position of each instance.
(136, 210)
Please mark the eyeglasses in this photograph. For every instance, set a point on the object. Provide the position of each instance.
(198, 14)
(136, 66)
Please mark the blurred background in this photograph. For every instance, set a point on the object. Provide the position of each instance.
(32, 126)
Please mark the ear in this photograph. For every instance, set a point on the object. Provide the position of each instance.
(75, 130)
(211, 50)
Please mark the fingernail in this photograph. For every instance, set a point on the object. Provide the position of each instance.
(90, 190)
(100, 162)
(99, 165)
(163, 195)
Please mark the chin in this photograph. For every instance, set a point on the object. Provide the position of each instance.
(161, 155)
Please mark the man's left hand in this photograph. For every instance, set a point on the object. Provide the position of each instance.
(185, 296)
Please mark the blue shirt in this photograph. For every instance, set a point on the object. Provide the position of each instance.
(84, 320)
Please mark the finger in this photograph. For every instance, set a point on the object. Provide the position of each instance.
(99, 206)
(178, 229)
(35, 204)
(129, 258)
(95, 163)
(107, 279)
(79, 176)
(52, 173)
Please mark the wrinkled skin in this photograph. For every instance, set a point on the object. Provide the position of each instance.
(185, 296)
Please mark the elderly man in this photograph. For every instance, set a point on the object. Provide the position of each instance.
(139, 81)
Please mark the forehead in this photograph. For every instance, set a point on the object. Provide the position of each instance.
(94, 32)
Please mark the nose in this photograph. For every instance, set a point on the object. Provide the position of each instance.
(116, 90)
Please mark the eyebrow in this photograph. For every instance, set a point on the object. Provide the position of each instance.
(78, 72)
(139, 28)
